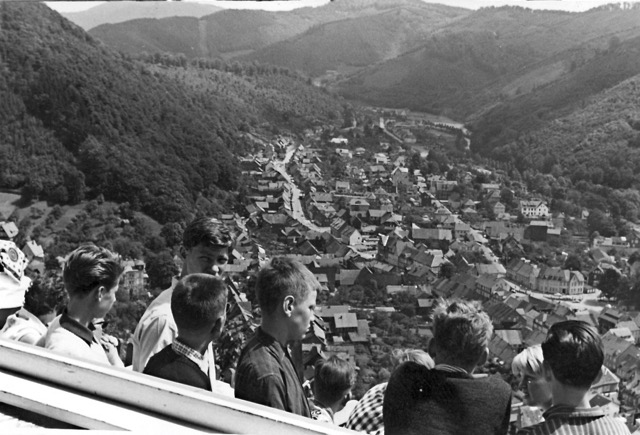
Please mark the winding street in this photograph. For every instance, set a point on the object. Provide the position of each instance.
(292, 194)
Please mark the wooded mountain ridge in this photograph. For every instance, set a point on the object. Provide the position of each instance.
(81, 119)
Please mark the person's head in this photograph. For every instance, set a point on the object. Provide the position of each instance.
(287, 292)
(573, 353)
(205, 246)
(93, 272)
(527, 366)
(333, 381)
(418, 356)
(461, 333)
(198, 305)
(45, 298)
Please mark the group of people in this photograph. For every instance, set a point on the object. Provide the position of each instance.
(434, 392)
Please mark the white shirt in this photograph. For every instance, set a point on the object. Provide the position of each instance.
(23, 326)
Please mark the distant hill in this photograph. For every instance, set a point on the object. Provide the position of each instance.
(234, 33)
(118, 11)
(582, 75)
(79, 119)
(361, 41)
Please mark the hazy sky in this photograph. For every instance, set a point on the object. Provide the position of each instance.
(569, 5)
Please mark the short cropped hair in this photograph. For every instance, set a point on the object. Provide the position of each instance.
(418, 356)
(461, 329)
(280, 278)
(207, 231)
(197, 301)
(332, 378)
(528, 362)
(574, 352)
(45, 295)
(90, 266)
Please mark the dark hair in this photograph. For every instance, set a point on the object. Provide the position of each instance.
(333, 377)
(197, 301)
(207, 231)
(280, 278)
(461, 329)
(90, 266)
(45, 295)
(574, 352)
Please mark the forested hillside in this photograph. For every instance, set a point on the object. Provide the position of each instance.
(587, 74)
(79, 119)
(490, 56)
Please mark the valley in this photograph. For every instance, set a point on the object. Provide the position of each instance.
(403, 151)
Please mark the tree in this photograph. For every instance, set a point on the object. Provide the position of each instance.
(573, 262)
(161, 268)
(600, 222)
(610, 283)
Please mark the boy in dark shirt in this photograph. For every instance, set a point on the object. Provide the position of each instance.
(198, 307)
(449, 399)
(266, 375)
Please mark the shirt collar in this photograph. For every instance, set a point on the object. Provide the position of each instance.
(191, 354)
(72, 325)
(270, 341)
(571, 411)
(451, 369)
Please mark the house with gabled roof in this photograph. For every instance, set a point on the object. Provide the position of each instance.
(359, 207)
(523, 272)
(485, 285)
(344, 323)
(609, 318)
(534, 209)
(430, 234)
(8, 230)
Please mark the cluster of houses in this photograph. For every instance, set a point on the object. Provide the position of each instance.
(368, 240)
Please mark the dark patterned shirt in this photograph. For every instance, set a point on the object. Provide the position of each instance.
(367, 415)
(266, 375)
(567, 420)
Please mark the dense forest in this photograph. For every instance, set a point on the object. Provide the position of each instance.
(79, 120)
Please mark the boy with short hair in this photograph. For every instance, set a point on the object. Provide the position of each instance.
(266, 375)
(205, 248)
(573, 357)
(91, 276)
(198, 305)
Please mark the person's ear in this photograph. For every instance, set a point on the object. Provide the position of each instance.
(288, 304)
(100, 292)
(183, 252)
(216, 331)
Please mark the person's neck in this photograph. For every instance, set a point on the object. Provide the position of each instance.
(276, 329)
(78, 310)
(569, 396)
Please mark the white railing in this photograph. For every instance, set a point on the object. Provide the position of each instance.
(98, 397)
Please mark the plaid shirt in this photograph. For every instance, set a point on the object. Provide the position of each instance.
(367, 415)
(566, 420)
(191, 354)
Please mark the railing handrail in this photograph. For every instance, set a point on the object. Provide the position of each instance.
(176, 402)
